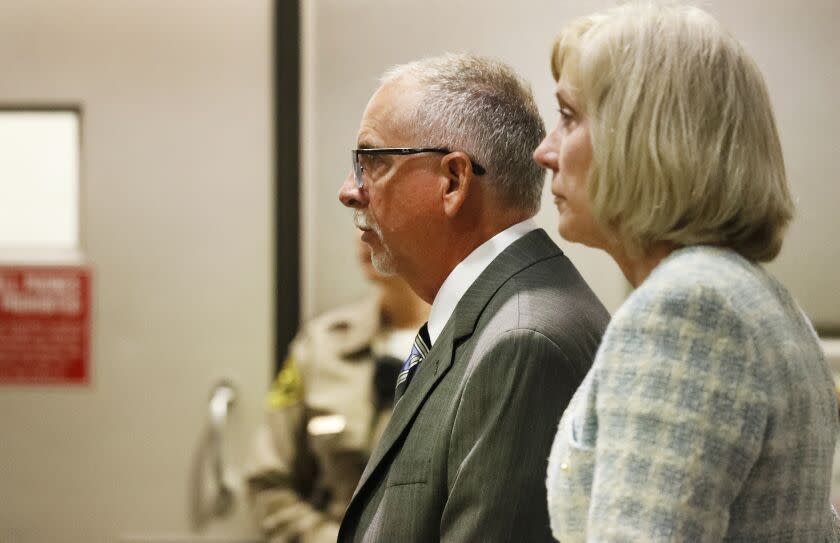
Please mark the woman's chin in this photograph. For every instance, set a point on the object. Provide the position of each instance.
(567, 231)
(572, 234)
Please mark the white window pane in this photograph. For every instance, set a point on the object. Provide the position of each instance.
(39, 179)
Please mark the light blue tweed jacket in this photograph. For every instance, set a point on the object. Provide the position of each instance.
(709, 415)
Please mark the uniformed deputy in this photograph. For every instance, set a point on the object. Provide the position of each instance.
(327, 408)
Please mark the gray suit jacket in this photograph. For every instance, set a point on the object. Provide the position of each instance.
(464, 456)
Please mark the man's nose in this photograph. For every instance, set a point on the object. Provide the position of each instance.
(350, 194)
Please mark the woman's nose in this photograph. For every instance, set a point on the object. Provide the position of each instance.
(546, 154)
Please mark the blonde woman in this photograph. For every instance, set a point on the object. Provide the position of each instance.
(709, 413)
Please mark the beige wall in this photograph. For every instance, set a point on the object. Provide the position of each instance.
(348, 43)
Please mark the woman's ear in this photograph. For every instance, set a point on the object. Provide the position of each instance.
(458, 174)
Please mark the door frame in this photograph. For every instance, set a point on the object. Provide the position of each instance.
(287, 80)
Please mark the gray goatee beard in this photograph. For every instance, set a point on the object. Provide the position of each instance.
(380, 257)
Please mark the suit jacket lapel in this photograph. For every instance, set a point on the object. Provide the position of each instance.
(531, 248)
(433, 367)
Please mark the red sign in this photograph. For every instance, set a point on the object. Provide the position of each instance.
(44, 324)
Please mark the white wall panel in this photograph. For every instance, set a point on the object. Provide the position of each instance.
(176, 195)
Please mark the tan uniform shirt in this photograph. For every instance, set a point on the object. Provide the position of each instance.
(321, 425)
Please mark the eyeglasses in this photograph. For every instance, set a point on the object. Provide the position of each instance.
(359, 169)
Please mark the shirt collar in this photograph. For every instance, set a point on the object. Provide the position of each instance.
(467, 271)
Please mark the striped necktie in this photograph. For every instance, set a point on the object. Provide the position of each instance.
(419, 350)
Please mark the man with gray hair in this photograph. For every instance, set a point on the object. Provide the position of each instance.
(444, 189)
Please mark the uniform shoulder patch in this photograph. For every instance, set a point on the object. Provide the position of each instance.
(287, 388)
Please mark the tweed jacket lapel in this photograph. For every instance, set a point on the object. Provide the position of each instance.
(524, 252)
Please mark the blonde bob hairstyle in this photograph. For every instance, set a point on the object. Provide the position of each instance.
(684, 144)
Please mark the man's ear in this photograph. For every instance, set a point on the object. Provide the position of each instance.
(458, 174)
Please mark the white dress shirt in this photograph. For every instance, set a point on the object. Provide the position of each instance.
(467, 271)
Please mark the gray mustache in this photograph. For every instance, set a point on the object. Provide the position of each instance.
(360, 220)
